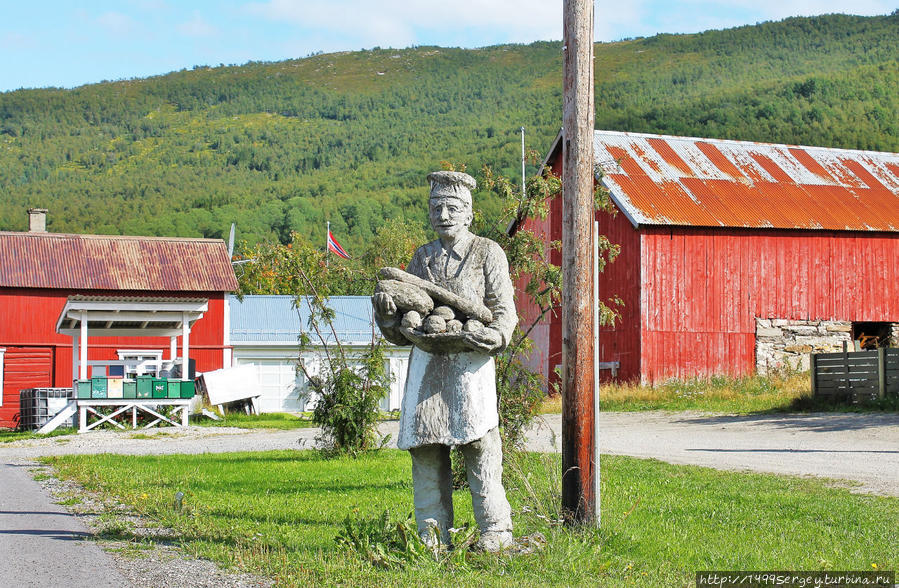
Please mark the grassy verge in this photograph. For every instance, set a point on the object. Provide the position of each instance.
(277, 513)
(270, 420)
(10, 435)
(755, 394)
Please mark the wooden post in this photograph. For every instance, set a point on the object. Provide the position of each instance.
(82, 349)
(578, 463)
(813, 370)
(881, 372)
(185, 346)
(76, 356)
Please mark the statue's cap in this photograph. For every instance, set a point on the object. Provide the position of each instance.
(454, 184)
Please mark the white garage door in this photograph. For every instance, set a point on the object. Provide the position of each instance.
(277, 384)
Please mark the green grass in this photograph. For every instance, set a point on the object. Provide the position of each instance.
(271, 420)
(10, 435)
(277, 513)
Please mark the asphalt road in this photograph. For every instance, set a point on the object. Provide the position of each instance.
(42, 544)
(858, 447)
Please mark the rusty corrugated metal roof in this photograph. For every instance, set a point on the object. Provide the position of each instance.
(665, 180)
(101, 262)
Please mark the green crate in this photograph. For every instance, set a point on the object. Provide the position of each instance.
(159, 388)
(187, 389)
(173, 390)
(129, 389)
(98, 387)
(83, 388)
(144, 386)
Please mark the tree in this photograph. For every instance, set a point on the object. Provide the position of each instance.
(348, 389)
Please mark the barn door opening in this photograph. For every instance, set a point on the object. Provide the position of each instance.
(872, 335)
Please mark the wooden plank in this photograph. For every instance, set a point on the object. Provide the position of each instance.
(814, 372)
(848, 361)
(844, 375)
(855, 386)
(872, 375)
(849, 374)
(850, 377)
(853, 377)
(868, 375)
(855, 357)
(833, 382)
(852, 354)
(838, 369)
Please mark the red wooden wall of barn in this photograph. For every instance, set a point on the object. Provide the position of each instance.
(621, 278)
(702, 290)
(36, 356)
(691, 295)
(547, 335)
(543, 354)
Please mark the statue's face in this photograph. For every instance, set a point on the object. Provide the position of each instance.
(450, 217)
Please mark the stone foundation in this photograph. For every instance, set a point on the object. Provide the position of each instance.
(894, 335)
(786, 344)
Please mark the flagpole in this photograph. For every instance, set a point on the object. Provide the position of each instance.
(327, 240)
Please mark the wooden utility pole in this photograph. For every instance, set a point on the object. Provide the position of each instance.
(579, 498)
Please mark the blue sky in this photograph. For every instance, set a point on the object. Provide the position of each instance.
(67, 43)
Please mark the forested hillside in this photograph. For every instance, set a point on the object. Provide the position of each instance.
(349, 137)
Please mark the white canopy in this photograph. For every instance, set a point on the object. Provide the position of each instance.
(120, 316)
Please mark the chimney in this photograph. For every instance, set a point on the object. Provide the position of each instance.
(37, 220)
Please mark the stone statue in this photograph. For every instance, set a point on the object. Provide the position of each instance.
(455, 305)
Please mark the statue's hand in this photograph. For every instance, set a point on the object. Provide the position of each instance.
(383, 305)
(485, 340)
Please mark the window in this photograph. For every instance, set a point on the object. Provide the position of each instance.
(141, 361)
(2, 352)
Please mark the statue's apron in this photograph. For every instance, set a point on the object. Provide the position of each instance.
(450, 398)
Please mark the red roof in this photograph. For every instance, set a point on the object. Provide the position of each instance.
(100, 262)
(664, 180)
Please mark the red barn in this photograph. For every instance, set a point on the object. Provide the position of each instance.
(738, 257)
(42, 273)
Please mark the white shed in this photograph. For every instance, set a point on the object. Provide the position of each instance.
(264, 332)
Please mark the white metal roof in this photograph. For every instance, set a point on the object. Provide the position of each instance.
(122, 316)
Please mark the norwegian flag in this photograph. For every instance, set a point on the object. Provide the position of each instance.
(334, 246)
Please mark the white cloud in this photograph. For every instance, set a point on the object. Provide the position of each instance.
(400, 23)
(648, 17)
(117, 23)
(151, 5)
(780, 9)
(197, 26)
(612, 22)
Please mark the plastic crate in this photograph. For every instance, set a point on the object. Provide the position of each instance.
(115, 388)
(144, 386)
(160, 388)
(129, 389)
(83, 388)
(39, 405)
(187, 389)
(173, 388)
(99, 387)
